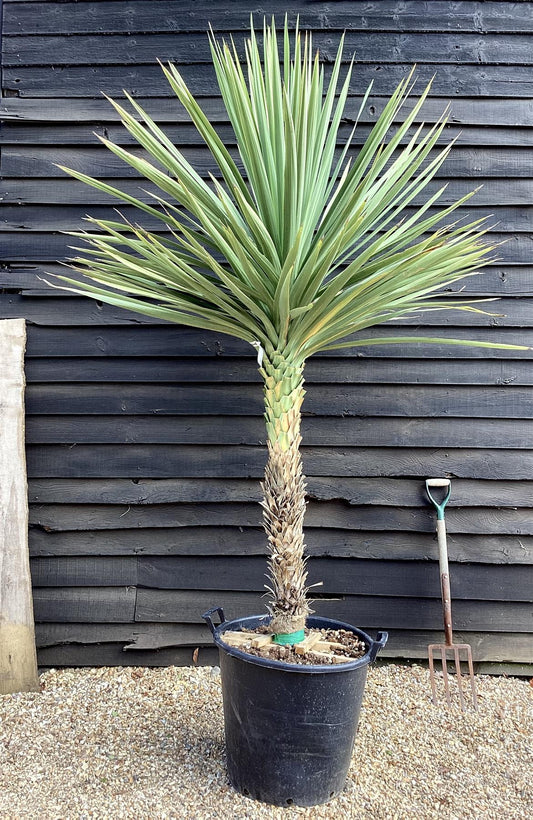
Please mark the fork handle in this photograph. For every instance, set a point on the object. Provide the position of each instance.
(445, 581)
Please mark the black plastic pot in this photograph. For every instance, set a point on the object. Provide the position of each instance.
(290, 729)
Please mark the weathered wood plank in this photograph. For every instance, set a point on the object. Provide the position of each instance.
(87, 571)
(377, 613)
(481, 548)
(486, 646)
(169, 461)
(36, 278)
(85, 604)
(504, 280)
(39, 247)
(355, 491)
(18, 661)
(388, 15)
(507, 112)
(171, 340)
(336, 576)
(40, 161)
(134, 636)
(145, 636)
(55, 518)
(524, 670)
(188, 430)
(465, 111)
(468, 80)
(42, 218)
(185, 47)
(329, 432)
(492, 193)
(31, 246)
(195, 541)
(149, 340)
(20, 132)
(98, 161)
(56, 191)
(112, 654)
(502, 401)
(330, 370)
(28, 278)
(402, 492)
(60, 517)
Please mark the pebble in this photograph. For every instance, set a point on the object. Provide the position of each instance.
(149, 744)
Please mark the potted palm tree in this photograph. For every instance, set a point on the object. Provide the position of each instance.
(295, 249)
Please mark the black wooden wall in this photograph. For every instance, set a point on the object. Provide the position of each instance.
(145, 441)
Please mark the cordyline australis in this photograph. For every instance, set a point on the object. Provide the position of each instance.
(295, 255)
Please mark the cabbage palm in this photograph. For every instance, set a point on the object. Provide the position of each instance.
(294, 253)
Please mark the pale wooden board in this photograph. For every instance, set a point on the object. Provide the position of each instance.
(18, 663)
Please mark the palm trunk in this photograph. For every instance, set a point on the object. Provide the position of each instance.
(284, 494)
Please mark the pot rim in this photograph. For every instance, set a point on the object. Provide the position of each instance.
(373, 646)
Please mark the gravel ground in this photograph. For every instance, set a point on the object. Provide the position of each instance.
(148, 744)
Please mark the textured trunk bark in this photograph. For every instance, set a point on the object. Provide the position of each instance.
(284, 494)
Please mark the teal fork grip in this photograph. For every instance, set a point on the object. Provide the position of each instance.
(439, 482)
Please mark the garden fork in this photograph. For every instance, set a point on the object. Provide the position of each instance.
(449, 649)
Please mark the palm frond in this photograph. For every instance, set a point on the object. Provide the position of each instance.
(296, 244)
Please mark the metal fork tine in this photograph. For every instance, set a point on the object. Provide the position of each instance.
(472, 679)
(432, 675)
(459, 677)
(445, 657)
(445, 675)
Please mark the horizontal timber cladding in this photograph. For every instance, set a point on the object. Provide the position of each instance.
(100, 16)
(388, 492)
(317, 371)
(334, 514)
(348, 576)
(245, 399)
(145, 441)
(496, 280)
(492, 192)
(18, 134)
(471, 79)
(112, 654)
(41, 246)
(507, 312)
(155, 461)
(374, 611)
(42, 218)
(22, 161)
(154, 636)
(58, 518)
(443, 48)
(325, 541)
(477, 112)
(376, 431)
(168, 341)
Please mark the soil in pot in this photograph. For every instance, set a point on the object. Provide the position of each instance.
(319, 647)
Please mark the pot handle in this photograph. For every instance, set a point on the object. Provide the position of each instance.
(207, 617)
(379, 643)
